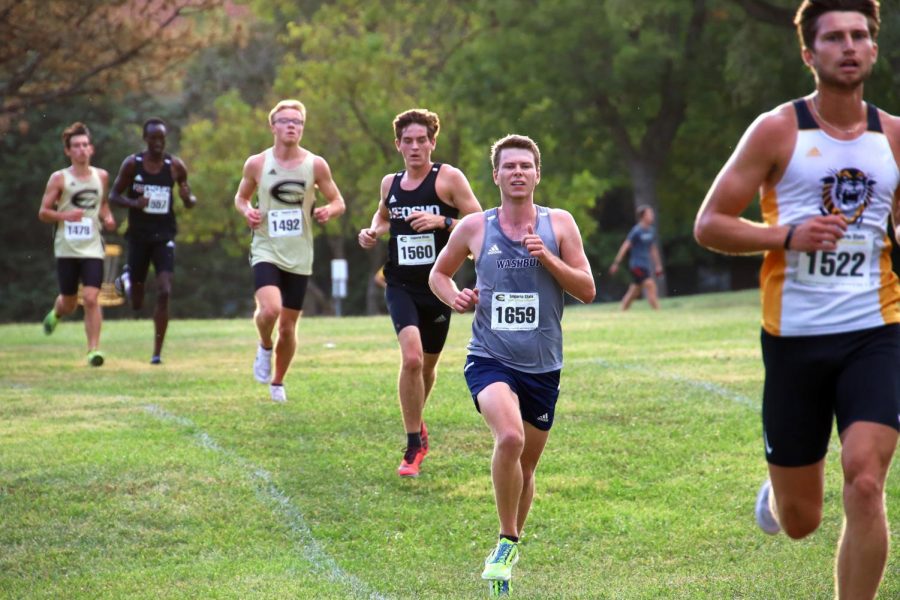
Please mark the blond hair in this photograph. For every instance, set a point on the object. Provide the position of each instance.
(282, 105)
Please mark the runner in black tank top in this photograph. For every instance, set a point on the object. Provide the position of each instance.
(419, 206)
(145, 186)
(411, 253)
(156, 221)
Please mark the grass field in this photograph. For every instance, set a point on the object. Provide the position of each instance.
(184, 481)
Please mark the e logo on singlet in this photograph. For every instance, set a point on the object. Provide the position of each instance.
(847, 193)
(86, 198)
(289, 191)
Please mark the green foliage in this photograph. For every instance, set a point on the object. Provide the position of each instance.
(215, 150)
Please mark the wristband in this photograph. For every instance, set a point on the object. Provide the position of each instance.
(787, 238)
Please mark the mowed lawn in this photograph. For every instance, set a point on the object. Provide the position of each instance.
(185, 481)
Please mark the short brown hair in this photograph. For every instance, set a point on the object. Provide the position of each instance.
(807, 17)
(515, 141)
(283, 104)
(418, 116)
(76, 128)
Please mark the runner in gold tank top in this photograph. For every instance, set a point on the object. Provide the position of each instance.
(75, 203)
(284, 179)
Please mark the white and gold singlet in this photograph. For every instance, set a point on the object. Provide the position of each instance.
(286, 198)
(79, 239)
(852, 287)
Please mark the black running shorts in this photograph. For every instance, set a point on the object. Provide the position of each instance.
(69, 271)
(812, 381)
(292, 285)
(141, 254)
(422, 309)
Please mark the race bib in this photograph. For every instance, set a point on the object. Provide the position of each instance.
(847, 266)
(286, 222)
(518, 311)
(158, 199)
(416, 249)
(79, 230)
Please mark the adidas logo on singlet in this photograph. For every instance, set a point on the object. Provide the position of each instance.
(813, 152)
(138, 178)
(494, 250)
(273, 172)
(392, 199)
(440, 319)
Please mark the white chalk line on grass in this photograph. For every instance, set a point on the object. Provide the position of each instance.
(707, 386)
(311, 548)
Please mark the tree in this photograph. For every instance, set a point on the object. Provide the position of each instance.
(56, 50)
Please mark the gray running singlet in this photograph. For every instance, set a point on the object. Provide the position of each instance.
(518, 318)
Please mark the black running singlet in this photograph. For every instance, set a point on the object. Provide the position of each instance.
(156, 221)
(411, 254)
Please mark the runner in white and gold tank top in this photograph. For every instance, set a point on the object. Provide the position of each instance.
(826, 169)
(286, 197)
(284, 179)
(75, 203)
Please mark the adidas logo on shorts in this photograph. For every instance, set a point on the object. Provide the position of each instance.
(544, 418)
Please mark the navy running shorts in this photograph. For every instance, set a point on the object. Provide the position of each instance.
(639, 274)
(812, 381)
(537, 392)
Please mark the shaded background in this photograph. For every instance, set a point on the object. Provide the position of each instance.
(631, 102)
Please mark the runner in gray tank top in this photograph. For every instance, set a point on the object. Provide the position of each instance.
(526, 258)
(519, 311)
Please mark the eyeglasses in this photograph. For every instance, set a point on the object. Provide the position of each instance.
(286, 121)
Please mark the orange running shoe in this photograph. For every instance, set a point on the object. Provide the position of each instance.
(423, 433)
(409, 466)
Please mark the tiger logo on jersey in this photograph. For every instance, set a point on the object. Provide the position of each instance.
(289, 191)
(847, 193)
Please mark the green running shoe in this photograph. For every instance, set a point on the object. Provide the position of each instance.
(497, 588)
(50, 321)
(95, 358)
(499, 563)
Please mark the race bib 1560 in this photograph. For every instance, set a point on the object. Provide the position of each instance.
(416, 249)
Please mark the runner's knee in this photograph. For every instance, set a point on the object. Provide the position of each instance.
(799, 519)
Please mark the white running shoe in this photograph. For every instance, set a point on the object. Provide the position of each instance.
(277, 393)
(262, 365)
(764, 517)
